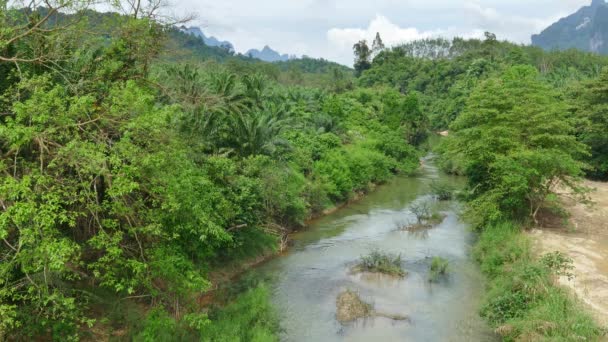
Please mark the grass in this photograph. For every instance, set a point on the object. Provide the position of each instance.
(379, 262)
(438, 269)
(247, 316)
(522, 302)
(250, 317)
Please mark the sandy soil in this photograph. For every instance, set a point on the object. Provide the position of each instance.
(584, 238)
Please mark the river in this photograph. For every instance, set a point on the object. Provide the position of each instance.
(306, 281)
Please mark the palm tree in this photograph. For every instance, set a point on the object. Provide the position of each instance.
(258, 131)
(254, 88)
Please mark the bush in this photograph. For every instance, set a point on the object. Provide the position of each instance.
(379, 262)
(250, 317)
(157, 326)
(438, 269)
(368, 166)
(335, 174)
(442, 191)
(422, 211)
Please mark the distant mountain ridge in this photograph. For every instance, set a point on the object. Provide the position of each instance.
(210, 41)
(268, 55)
(586, 30)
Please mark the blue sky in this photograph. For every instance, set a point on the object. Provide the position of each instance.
(329, 28)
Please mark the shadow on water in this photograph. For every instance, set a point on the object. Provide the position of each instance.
(307, 280)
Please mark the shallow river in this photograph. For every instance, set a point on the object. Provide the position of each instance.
(306, 281)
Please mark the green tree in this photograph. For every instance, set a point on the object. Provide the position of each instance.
(363, 56)
(592, 105)
(258, 131)
(377, 46)
(517, 144)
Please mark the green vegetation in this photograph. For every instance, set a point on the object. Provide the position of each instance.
(514, 155)
(518, 136)
(129, 173)
(442, 191)
(422, 210)
(249, 318)
(445, 72)
(135, 161)
(522, 301)
(591, 103)
(438, 269)
(379, 262)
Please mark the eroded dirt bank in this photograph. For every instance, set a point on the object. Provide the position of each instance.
(584, 238)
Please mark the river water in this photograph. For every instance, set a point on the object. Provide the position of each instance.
(306, 281)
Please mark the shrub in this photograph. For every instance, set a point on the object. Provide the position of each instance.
(379, 262)
(442, 191)
(157, 326)
(335, 175)
(438, 269)
(250, 317)
(422, 211)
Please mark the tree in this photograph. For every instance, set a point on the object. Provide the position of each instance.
(592, 108)
(362, 57)
(517, 144)
(36, 32)
(377, 45)
(258, 131)
(422, 211)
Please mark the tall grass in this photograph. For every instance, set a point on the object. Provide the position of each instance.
(523, 302)
(380, 262)
(250, 318)
(438, 269)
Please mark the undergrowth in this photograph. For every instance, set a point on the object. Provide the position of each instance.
(522, 302)
(248, 317)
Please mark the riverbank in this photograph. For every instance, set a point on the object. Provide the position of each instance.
(226, 273)
(524, 301)
(583, 237)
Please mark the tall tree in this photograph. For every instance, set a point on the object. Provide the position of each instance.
(378, 45)
(593, 109)
(517, 145)
(363, 56)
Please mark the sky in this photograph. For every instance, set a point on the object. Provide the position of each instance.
(329, 28)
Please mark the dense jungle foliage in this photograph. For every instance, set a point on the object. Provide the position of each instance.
(128, 176)
(135, 161)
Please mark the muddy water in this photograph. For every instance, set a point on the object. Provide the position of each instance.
(306, 281)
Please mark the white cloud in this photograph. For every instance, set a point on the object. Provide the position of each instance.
(329, 28)
(516, 28)
(391, 33)
(343, 39)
